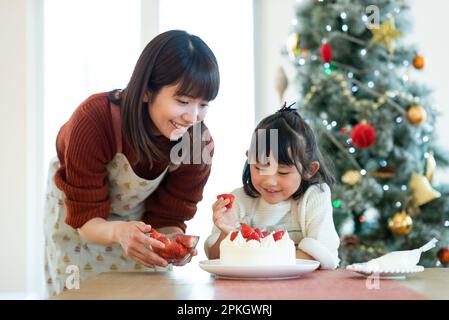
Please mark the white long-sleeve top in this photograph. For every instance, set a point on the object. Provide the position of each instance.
(308, 220)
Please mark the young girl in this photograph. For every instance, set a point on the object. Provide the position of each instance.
(112, 180)
(289, 191)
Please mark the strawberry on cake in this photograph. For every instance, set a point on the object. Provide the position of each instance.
(255, 247)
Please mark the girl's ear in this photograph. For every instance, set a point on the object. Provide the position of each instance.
(314, 167)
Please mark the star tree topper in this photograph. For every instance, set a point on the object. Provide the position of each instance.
(385, 34)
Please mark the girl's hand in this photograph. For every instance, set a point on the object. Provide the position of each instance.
(132, 238)
(223, 217)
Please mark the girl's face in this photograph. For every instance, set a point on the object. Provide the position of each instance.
(274, 182)
(173, 115)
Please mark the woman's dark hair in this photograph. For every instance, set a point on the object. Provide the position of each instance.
(297, 146)
(172, 57)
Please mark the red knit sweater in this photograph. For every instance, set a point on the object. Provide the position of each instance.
(86, 144)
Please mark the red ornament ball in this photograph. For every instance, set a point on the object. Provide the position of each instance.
(443, 256)
(363, 136)
(326, 52)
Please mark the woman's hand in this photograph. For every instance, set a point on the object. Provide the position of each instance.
(137, 245)
(223, 217)
(171, 233)
(193, 252)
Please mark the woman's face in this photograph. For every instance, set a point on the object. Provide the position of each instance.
(173, 115)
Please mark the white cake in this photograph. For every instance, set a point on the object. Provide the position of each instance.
(265, 251)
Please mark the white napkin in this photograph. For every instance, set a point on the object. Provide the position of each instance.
(400, 259)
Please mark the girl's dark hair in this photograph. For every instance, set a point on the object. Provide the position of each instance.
(297, 146)
(172, 57)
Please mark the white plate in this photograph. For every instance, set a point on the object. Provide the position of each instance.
(259, 272)
(364, 269)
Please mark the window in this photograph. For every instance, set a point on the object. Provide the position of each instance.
(89, 47)
(227, 28)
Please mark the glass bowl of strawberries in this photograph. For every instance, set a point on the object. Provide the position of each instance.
(178, 247)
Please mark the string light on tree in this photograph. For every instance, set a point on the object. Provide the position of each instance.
(336, 203)
(398, 120)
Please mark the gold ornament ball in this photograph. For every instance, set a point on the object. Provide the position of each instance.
(416, 115)
(418, 62)
(401, 224)
(351, 177)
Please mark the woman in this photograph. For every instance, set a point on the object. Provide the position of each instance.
(112, 180)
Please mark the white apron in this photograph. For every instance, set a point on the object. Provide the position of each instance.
(64, 246)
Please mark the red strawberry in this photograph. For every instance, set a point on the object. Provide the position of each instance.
(278, 235)
(187, 241)
(174, 251)
(227, 196)
(234, 235)
(182, 252)
(164, 240)
(264, 234)
(257, 230)
(154, 234)
(246, 230)
(167, 243)
(160, 237)
(254, 236)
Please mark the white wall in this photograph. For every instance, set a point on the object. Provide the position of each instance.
(13, 84)
(431, 27)
(272, 25)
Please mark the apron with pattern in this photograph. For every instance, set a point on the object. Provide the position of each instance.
(289, 222)
(66, 249)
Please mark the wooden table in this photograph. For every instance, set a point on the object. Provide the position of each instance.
(192, 283)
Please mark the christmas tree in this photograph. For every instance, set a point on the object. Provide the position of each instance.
(359, 88)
